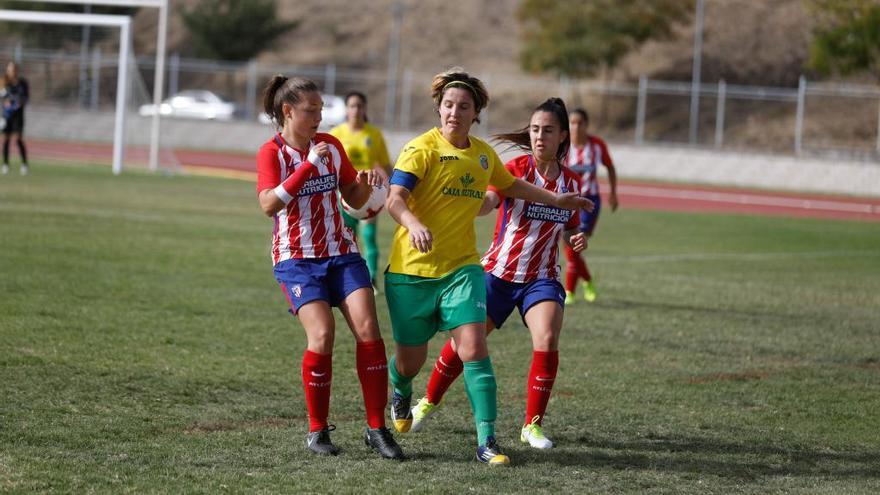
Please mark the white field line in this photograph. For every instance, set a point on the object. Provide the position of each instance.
(750, 199)
(782, 255)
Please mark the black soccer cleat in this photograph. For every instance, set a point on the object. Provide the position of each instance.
(319, 442)
(381, 440)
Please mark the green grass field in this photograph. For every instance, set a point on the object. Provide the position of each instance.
(145, 347)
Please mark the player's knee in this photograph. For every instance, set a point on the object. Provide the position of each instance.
(472, 351)
(547, 341)
(321, 340)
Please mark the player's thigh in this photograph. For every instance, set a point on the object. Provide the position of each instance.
(413, 308)
(359, 310)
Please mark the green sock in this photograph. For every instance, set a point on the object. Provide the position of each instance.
(399, 383)
(371, 250)
(479, 383)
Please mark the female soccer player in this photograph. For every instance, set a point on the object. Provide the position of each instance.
(366, 149)
(521, 268)
(316, 260)
(434, 281)
(15, 97)
(584, 156)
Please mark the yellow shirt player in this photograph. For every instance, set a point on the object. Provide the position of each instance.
(447, 189)
(434, 280)
(365, 146)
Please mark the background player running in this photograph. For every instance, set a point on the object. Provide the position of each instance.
(316, 260)
(584, 156)
(434, 280)
(365, 147)
(521, 266)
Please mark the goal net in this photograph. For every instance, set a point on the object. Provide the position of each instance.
(73, 73)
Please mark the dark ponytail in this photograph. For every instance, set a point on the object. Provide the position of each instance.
(282, 89)
(521, 139)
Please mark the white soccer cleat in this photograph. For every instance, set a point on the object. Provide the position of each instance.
(533, 435)
(421, 413)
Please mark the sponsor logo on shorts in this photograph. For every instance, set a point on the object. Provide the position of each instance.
(296, 291)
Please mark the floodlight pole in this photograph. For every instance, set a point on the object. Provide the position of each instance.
(124, 25)
(158, 82)
(695, 73)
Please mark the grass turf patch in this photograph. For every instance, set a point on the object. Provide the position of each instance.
(145, 347)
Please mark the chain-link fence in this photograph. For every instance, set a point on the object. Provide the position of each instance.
(811, 118)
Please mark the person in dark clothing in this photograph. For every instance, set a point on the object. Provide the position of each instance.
(15, 96)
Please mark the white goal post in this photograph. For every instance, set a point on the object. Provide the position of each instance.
(159, 79)
(124, 25)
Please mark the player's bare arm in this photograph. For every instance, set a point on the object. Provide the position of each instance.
(419, 236)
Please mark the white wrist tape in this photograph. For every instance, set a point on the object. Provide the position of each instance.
(315, 158)
(282, 194)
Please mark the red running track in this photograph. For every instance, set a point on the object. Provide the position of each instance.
(632, 194)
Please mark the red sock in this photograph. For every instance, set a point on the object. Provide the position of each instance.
(446, 370)
(372, 369)
(576, 267)
(317, 372)
(541, 377)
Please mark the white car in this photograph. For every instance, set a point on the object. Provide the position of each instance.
(193, 104)
(332, 115)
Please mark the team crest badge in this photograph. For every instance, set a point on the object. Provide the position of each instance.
(297, 291)
(484, 162)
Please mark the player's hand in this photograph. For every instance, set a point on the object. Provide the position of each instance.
(381, 172)
(370, 178)
(572, 201)
(612, 200)
(318, 154)
(578, 242)
(420, 238)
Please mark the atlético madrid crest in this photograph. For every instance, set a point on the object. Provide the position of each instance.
(297, 291)
(484, 162)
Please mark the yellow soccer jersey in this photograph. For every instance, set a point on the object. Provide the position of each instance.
(364, 147)
(448, 192)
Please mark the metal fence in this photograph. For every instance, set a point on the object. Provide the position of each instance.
(813, 117)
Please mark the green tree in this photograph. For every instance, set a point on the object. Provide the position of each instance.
(847, 37)
(234, 29)
(578, 37)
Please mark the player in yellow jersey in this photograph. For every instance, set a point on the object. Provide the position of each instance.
(434, 280)
(365, 146)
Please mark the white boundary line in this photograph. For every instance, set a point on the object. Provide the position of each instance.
(768, 256)
(750, 199)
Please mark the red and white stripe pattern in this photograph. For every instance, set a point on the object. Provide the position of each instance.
(585, 161)
(527, 234)
(310, 226)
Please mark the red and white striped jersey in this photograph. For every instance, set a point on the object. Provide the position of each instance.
(527, 234)
(310, 226)
(585, 161)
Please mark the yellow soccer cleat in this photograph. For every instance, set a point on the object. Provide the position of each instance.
(491, 454)
(590, 294)
(401, 415)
